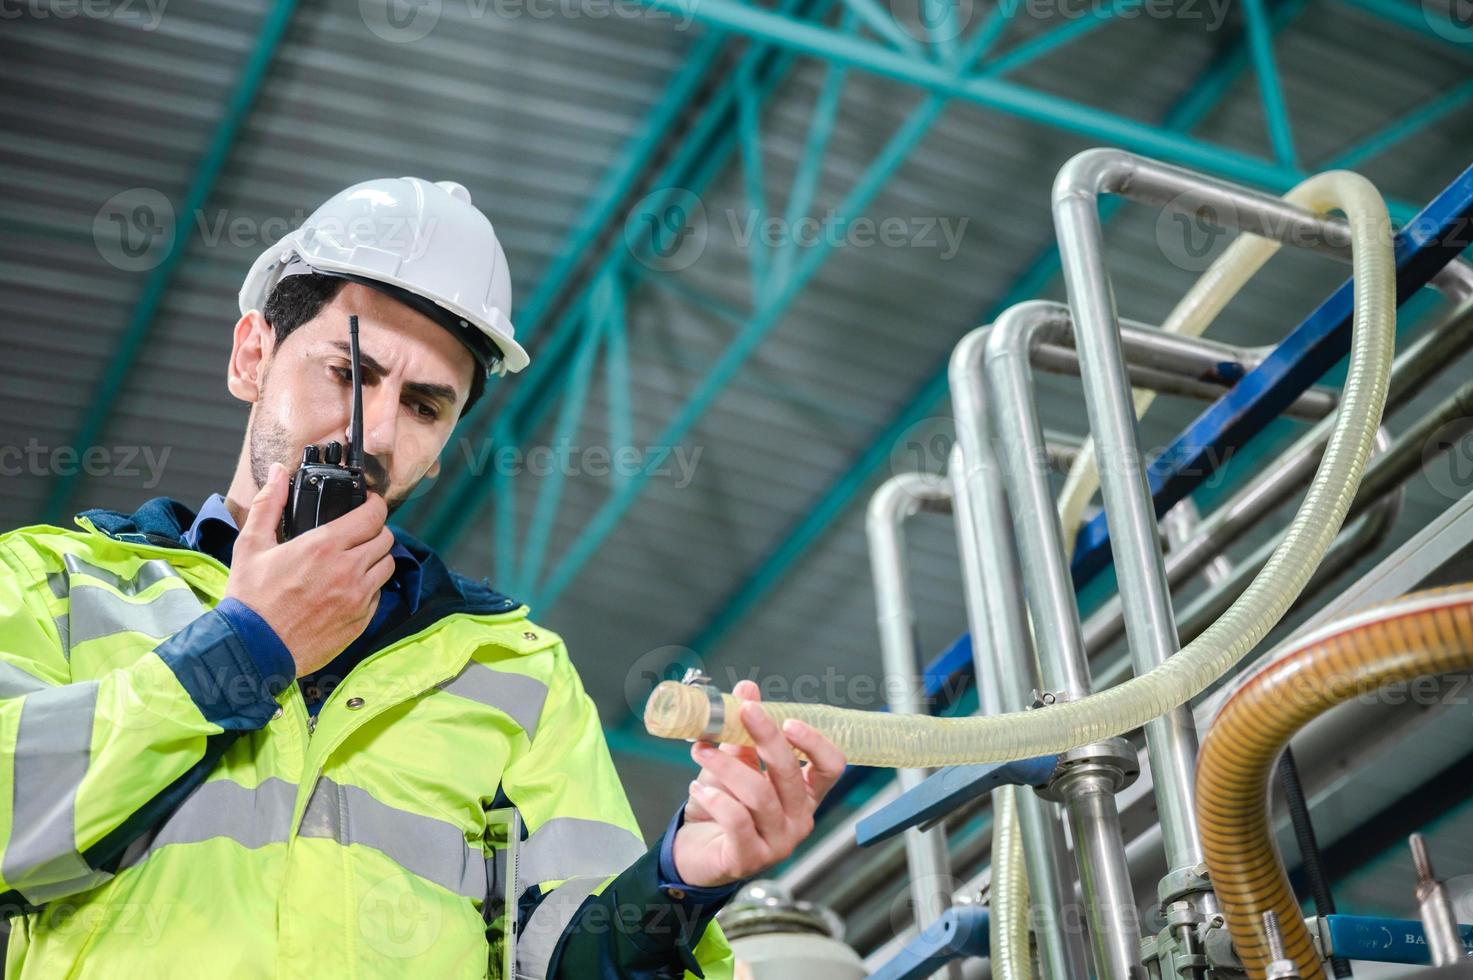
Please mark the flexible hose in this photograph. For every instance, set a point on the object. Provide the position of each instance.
(1008, 924)
(1421, 634)
(879, 739)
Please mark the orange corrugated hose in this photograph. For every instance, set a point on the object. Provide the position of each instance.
(1420, 634)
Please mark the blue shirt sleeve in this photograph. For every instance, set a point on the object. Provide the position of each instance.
(264, 647)
(216, 665)
(690, 895)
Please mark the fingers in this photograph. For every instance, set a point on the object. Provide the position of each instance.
(359, 525)
(825, 761)
(782, 765)
(747, 786)
(734, 818)
(745, 690)
(264, 516)
(370, 553)
(379, 575)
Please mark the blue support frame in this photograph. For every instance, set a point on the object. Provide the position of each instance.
(947, 789)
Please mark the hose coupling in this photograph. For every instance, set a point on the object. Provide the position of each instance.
(1114, 758)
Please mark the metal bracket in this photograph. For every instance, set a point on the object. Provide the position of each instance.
(944, 791)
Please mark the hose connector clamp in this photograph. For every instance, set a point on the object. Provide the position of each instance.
(716, 716)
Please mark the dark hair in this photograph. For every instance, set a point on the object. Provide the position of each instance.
(297, 299)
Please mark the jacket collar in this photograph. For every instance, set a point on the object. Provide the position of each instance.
(161, 522)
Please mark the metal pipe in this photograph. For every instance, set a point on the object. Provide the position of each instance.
(1179, 524)
(1444, 941)
(1171, 738)
(1003, 652)
(1140, 569)
(1192, 367)
(899, 498)
(1099, 850)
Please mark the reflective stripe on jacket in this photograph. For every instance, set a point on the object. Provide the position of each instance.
(161, 817)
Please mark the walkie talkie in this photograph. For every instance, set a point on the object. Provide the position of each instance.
(322, 489)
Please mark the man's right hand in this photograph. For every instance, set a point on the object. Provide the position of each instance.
(319, 590)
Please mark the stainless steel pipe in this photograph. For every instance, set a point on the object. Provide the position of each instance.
(898, 499)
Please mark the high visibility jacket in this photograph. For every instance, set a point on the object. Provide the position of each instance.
(164, 815)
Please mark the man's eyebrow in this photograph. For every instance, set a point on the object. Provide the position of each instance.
(372, 368)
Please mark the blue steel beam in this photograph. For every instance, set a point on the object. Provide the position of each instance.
(945, 790)
(570, 419)
(140, 322)
(992, 92)
(1431, 240)
(1193, 107)
(810, 164)
(1270, 86)
(1405, 125)
(619, 181)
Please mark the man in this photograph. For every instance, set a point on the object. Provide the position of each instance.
(230, 755)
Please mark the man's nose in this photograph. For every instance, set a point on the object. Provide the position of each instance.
(380, 419)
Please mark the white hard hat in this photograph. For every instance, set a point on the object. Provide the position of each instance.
(423, 243)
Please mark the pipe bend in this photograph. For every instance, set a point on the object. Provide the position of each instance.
(905, 495)
(1022, 325)
(1093, 172)
(1422, 634)
(966, 357)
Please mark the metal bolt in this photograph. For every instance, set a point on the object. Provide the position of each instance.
(1275, 941)
(1422, 860)
(355, 703)
(529, 635)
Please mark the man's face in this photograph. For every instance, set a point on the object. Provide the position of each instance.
(416, 377)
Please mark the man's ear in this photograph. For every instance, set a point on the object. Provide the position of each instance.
(250, 352)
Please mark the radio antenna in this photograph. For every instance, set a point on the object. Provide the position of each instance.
(355, 444)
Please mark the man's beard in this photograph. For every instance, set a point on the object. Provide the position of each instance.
(270, 443)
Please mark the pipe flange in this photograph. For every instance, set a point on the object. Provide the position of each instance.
(1113, 758)
(1182, 883)
(716, 716)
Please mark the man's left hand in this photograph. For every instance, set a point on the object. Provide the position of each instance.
(741, 819)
